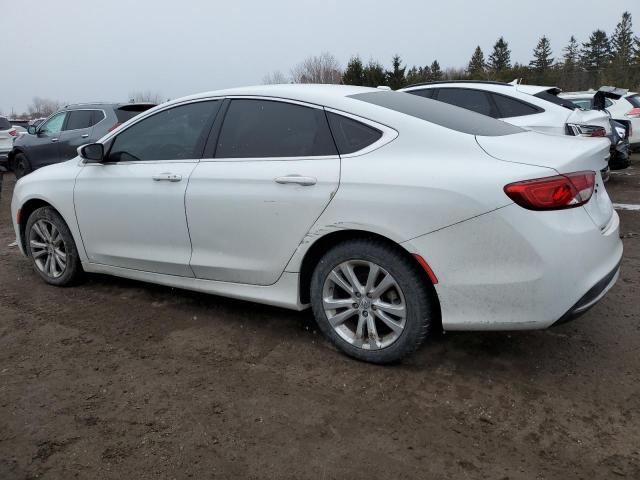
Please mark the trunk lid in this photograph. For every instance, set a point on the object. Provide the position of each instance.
(590, 117)
(564, 154)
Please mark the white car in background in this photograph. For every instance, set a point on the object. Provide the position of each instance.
(7, 135)
(391, 215)
(627, 107)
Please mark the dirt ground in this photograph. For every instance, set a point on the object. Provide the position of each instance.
(125, 380)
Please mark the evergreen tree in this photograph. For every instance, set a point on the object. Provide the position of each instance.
(622, 42)
(396, 78)
(354, 73)
(500, 59)
(436, 73)
(477, 65)
(571, 56)
(542, 59)
(596, 53)
(374, 74)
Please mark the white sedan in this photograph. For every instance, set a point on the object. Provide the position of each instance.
(389, 214)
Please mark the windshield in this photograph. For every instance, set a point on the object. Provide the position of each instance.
(443, 114)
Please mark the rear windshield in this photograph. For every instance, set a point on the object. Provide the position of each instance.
(443, 114)
(553, 98)
(127, 112)
(634, 100)
(4, 124)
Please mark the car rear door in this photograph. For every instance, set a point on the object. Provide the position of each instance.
(75, 132)
(130, 208)
(273, 168)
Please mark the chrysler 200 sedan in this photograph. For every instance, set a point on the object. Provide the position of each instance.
(389, 214)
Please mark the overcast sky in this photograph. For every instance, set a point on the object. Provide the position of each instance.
(90, 50)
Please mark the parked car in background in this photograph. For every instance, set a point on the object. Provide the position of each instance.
(391, 215)
(7, 136)
(625, 108)
(57, 138)
(532, 107)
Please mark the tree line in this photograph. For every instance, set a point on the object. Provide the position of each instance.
(600, 60)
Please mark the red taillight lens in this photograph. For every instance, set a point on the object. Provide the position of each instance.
(553, 193)
(115, 126)
(598, 132)
(13, 133)
(634, 112)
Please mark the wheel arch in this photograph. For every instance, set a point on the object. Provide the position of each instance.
(328, 241)
(26, 210)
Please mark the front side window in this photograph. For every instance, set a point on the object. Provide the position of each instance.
(267, 128)
(351, 135)
(78, 119)
(172, 134)
(54, 124)
(475, 100)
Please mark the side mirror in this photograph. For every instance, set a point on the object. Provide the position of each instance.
(92, 153)
(32, 129)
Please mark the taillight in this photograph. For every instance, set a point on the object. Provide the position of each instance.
(115, 126)
(634, 112)
(13, 133)
(569, 190)
(579, 130)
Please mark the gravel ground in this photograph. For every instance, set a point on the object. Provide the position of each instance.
(124, 380)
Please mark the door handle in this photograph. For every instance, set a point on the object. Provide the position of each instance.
(54, 140)
(297, 180)
(85, 135)
(167, 177)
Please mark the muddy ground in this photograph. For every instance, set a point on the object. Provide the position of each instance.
(125, 380)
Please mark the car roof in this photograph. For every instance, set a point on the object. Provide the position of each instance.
(507, 88)
(114, 105)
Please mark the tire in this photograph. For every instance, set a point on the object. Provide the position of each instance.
(21, 165)
(48, 237)
(409, 301)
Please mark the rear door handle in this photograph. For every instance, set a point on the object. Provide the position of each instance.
(54, 140)
(85, 135)
(167, 177)
(297, 180)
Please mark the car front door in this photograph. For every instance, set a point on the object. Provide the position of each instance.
(43, 148)
(130, 208)
(274, 171)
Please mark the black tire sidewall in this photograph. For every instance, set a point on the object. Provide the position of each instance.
(418, 298)
(20, 172)
(74, 267)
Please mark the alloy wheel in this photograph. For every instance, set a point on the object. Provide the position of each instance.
(364, 304)
(48, 249)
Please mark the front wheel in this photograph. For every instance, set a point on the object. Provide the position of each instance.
(371, 300)
(50, 246)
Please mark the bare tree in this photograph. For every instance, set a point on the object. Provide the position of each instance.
(275, 78)
(43, 107)
(321, 69)
(146, 96)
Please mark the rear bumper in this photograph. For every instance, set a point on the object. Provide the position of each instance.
(593, 296)
(516, 270)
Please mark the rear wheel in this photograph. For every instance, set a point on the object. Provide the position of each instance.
(371, 301)
(50, 246)
(21, 165)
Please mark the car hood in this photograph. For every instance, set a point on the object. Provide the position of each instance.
(564, 154)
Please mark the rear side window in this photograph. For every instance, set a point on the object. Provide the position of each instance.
(425, 92)
(510, 107)
(553, 98)
(172, 134)
(96, 117)
(351, 135)
(4, 124)
(267, 128)
(78, 119)
(474, 100)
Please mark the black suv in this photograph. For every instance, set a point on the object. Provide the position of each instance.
(59, 136)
